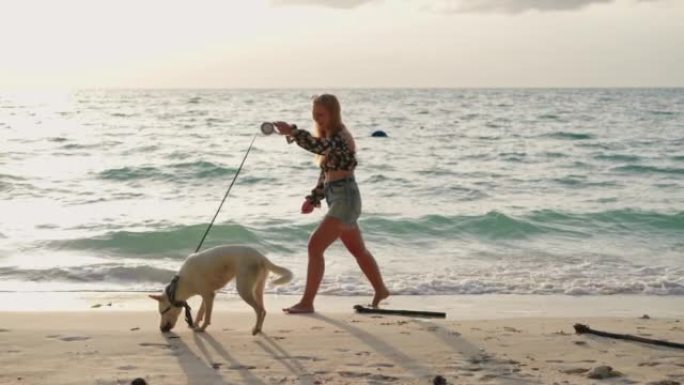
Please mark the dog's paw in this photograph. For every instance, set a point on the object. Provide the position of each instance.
(198, 329)
(256, 331)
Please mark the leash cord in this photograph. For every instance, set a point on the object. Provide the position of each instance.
(226, 196)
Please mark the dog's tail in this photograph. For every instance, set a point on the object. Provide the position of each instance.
(284, 274)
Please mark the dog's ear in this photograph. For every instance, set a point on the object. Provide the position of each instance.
(156, 297)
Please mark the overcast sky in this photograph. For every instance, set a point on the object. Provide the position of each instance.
(344, 43)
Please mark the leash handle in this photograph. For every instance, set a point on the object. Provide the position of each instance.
(225, 196)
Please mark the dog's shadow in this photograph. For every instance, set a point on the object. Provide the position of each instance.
(247, 376)
(200, 370)
(268, 345)
(194, 367)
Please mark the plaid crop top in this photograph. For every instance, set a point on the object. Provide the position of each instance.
(338, 156)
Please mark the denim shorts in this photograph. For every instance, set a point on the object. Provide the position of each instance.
(344, 200)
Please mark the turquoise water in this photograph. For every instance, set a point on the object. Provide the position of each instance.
(474, 191)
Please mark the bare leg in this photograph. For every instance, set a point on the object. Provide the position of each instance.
(353, 241)
(326, 233)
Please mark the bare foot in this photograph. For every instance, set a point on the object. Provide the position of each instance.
(379, 296)
(299, 309)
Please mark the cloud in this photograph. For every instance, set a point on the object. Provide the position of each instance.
(465, 6)
(509, 6)
(342, 4)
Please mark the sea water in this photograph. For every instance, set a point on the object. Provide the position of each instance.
(523, 191)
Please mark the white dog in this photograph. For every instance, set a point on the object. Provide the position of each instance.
(208, 271)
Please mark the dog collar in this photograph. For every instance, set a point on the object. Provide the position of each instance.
(171, 293)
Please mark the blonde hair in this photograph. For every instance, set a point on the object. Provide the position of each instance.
(332, 105)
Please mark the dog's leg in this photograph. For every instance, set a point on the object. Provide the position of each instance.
(208, 305)
(200, 315)
(245, 284)
(259, 298)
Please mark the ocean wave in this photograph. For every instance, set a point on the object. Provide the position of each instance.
(177, 171)
(496, 225)
(567, 279)
(177, 241)
(493, 225)
(625, 219)
(638, 169)
(91, 273)
(174, 242)
(618, 157)
(569, 136)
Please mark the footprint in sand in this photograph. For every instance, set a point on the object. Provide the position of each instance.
(241, 367)
(488, 377)
(382, 377)
(4, 330)
(348, 374)
(154, 344)
(308, 358)
(382, 365)
(74, 338)
(127, 367)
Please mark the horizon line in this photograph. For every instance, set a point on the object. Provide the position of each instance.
(258, 88)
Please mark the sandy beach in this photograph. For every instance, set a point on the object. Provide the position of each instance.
(104, 338)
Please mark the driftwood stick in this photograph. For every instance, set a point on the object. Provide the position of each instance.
(410, 313)
(582, 329)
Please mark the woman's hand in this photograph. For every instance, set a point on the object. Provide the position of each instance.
(307, 207)
(283, 128)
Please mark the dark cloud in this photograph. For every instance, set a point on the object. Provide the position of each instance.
(343, 4)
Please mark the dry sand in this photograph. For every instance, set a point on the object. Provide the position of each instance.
(113, 345)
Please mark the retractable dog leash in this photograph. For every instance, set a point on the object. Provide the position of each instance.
(267, 128)
(225, 196)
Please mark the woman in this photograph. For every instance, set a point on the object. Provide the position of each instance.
(335, 149)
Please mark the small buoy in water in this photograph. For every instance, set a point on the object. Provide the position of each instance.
(379, 134)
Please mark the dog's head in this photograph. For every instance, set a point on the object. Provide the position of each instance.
(169, 313)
